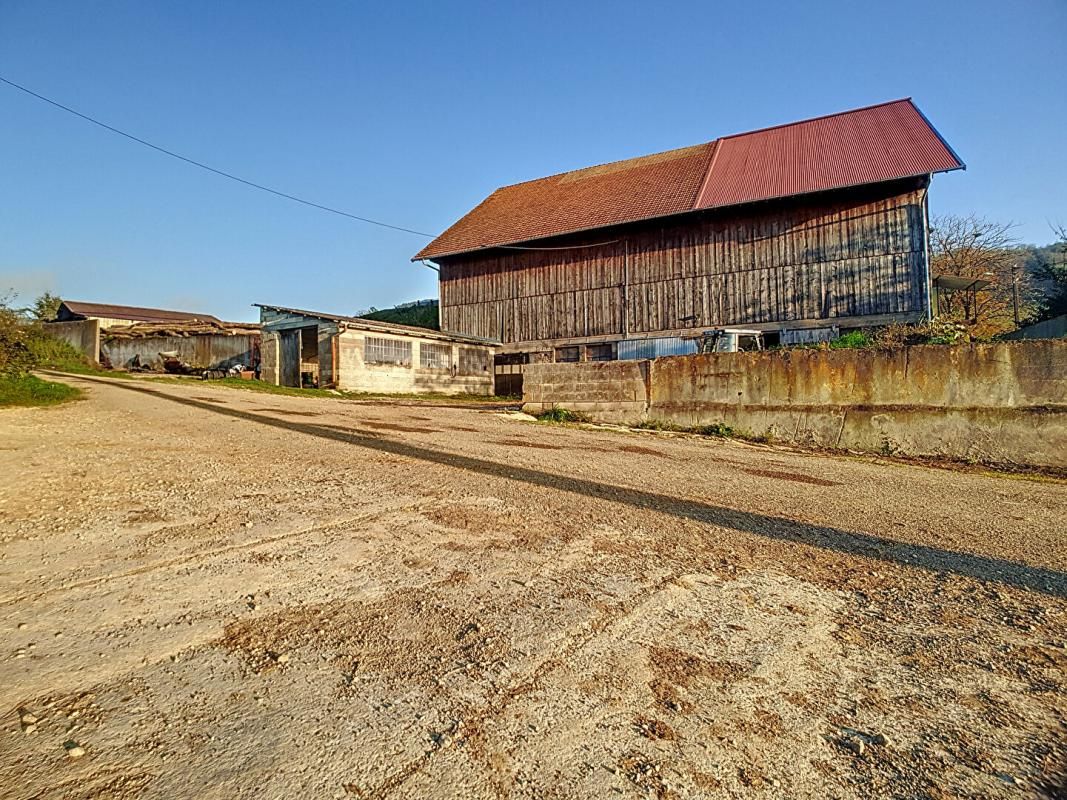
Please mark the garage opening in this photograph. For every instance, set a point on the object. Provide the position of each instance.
(299, 357)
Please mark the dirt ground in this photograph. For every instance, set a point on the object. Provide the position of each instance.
(218, 593)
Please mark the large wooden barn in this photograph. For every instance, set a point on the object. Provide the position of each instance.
(797, 230)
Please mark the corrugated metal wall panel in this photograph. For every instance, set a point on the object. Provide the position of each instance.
(640, 349)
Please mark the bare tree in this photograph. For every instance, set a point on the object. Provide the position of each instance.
(981, 249)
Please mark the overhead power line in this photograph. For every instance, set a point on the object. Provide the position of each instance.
(220, 172)
(260, 186)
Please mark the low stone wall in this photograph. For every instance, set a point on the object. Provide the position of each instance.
(1004, 402)
(82, 335)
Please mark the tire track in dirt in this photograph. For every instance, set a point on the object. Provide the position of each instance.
(476, 717)
(205, 555)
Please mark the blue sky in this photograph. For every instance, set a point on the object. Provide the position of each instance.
(412, 113)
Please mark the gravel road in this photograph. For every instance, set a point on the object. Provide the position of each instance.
(209, 592)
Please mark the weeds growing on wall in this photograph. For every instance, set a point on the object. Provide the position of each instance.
(936, 331)
(853, 340)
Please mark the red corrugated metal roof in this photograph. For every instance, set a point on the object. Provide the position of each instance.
(879, 143)
(868, 145)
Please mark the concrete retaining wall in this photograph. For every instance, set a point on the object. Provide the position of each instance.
(1003, 402)
(83, 335)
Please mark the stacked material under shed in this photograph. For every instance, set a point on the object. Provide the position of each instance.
(143, 330)
(197, 344)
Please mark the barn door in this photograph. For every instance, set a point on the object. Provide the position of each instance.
(507, 373)
(289, 358)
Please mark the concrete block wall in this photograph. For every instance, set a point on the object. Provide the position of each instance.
(610, 391)
(82, 335)
(1004, 402)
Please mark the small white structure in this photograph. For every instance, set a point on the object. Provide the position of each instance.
(308, 348)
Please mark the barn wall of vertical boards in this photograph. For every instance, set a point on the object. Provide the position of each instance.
(841, 258)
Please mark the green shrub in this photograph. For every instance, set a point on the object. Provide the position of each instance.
(717, 429)
(555, 414)
(16, 358)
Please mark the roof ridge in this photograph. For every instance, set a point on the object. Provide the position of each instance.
(708, 142)
(707, 175)
(73, 305)
(816, 119)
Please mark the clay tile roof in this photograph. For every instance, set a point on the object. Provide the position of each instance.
(108, 311)
(868, 145)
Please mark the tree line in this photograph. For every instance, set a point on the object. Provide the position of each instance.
(1023, 283)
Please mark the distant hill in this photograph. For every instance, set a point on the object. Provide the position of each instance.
(420, 313)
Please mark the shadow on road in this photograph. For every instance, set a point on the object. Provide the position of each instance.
(934, 559)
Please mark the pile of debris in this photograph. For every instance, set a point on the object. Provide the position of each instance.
(181, 328)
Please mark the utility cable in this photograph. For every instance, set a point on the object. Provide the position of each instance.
(203, 166)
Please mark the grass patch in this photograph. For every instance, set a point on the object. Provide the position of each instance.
(29, 390)
(293, 391)
(717, 429)
(86, 368)
(561, 415)
(853, 340)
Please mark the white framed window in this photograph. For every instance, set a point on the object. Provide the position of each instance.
(387, 351)
(435, 356)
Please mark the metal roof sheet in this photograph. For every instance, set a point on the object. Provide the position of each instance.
(868, 145)
(110, 311)
(871, 145)
(382, 327)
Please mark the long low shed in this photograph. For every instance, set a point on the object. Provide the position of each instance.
(309, 348)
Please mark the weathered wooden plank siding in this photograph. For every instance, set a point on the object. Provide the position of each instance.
(858, 257)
